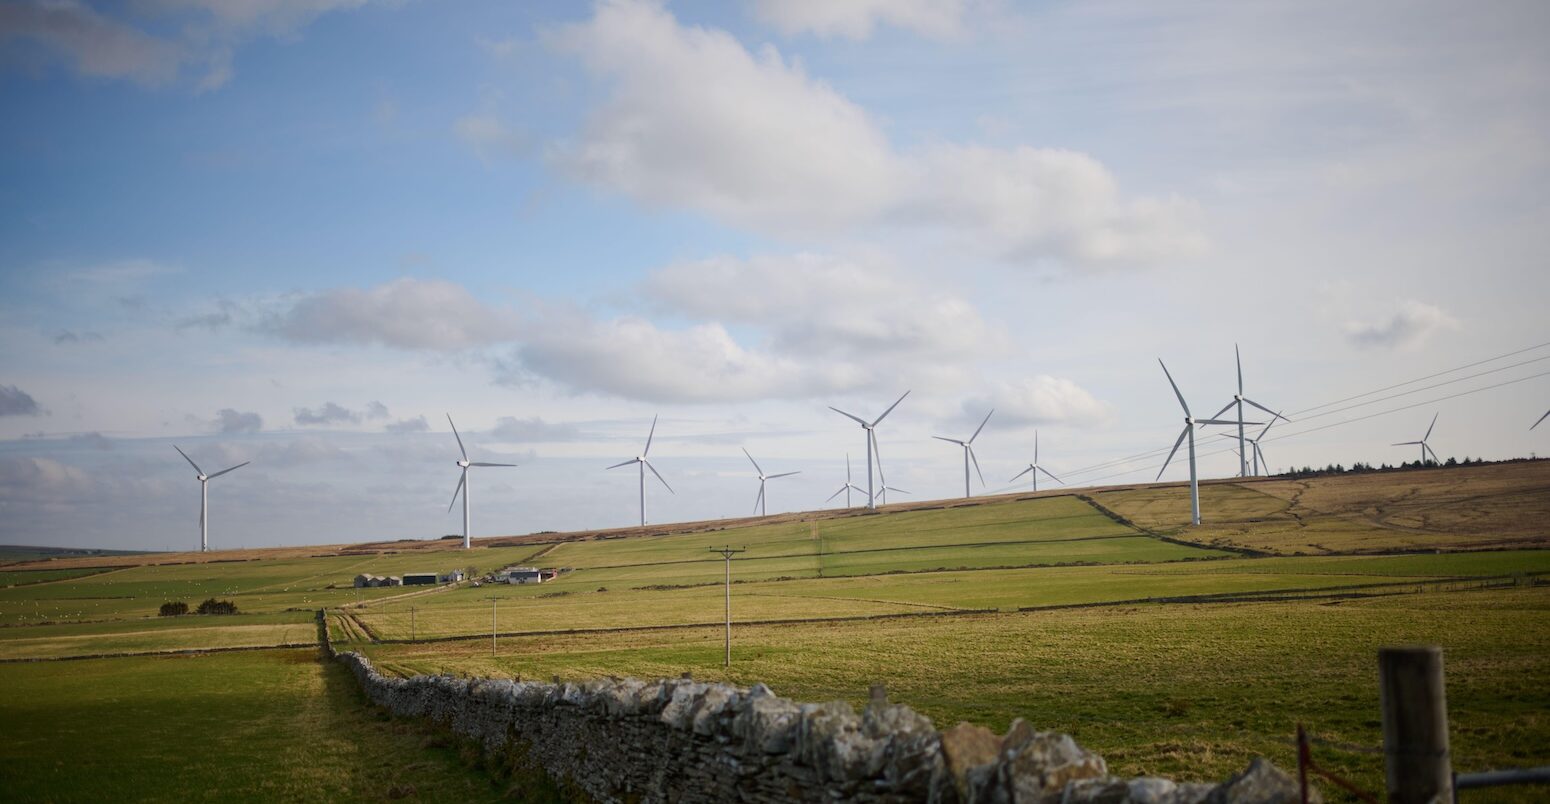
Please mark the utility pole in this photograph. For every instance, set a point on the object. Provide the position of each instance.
(493, 598)
(411, 623)
(727, 553)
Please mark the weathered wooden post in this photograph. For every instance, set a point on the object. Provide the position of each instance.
(1412, 695)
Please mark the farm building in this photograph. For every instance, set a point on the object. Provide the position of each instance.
(419, 579)
(517, 575)
(455, 576)
(363, 580)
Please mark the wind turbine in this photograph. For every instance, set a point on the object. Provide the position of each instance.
(1238, 399)
(644, 465)
(204, 497)
(848, 485)
(882, 492)
(882, 479)
(762, 500)
(1189, 432)
(1541, 418)
(1425, 448)
(1034, 468)
(462, 482)
(1259, 454)
(871, 444)
(968, 454)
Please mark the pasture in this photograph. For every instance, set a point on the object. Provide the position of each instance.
(1170, 650)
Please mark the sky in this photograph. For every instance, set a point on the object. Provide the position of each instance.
(302, 233)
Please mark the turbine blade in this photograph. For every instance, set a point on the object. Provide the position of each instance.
(758, 499)
(856, 419)
(981, 427)
(457, 491)
(877, 454)
(890, 409)
(1433, 452)
(1429, 429)
(784, 474)
(1269, 425)
(1238, 356)
(647, 450)
(1035, 447)
(1273, 415)
(901, 491)
(201, 471)
(625, 463)
(1263, 464)
(1175, 385)
(752, 461)
(1020, 474)
(1224, 408)
(1225, 421)
(493, 464)
(659, 476)
(458, 437)
(1407, 443)
(1051, 476)
(1541, 419)
(948, 440)
(837, 493)
(233, 469)
(976, 461)
(1182, 434)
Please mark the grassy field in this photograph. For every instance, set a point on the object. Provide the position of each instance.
(263, 725)
(1191, 691)
(160, 634)
(1165, 648)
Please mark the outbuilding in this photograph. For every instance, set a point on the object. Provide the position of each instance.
(364, 580)
(517, 575)
(419, 579)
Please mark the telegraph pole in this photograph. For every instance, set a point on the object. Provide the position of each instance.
(493, 598)
(727, 553)
(411, 623)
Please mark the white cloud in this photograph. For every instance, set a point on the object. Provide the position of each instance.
(697, 120)
(376, 410)
(1409, 327)
(855, 19)
(16, 402)
(404, 313)
(514, 430)
(93, 45)
(27, 479)
(1040, 400)
(490, 137)
(228, 420)
(329, 413)
(209, 31)
(416, 425)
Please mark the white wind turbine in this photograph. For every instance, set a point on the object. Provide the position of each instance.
(1034, 468)
(871, 444)
(968, 453)
(643, 466)
(1259, 454)
(848, 487)
(883, 488)
(1425, 448)
(462, 482)
(760, 503)
(204, 497)
(1239, 399)
(882, 492)
(1189, 432)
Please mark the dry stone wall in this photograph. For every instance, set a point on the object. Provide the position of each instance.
(687, 741)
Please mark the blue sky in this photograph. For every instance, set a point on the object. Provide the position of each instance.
(302, 232)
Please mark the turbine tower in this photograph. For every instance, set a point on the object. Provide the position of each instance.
(462, 482)
(1034, 468)
(1259, 454)
(643, 466)
(1239, 399)
(1189, 432)
(1425, 448)
(759, 503)
(204, 497)
(848, 485)
(871, 445)
(968, 454)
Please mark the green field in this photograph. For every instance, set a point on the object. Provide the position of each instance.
(263, 725)
(1166, 649)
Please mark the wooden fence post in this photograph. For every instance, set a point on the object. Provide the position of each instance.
(1413, 698)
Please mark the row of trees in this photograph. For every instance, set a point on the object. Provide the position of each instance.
(1362, 468)
(210, 606)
